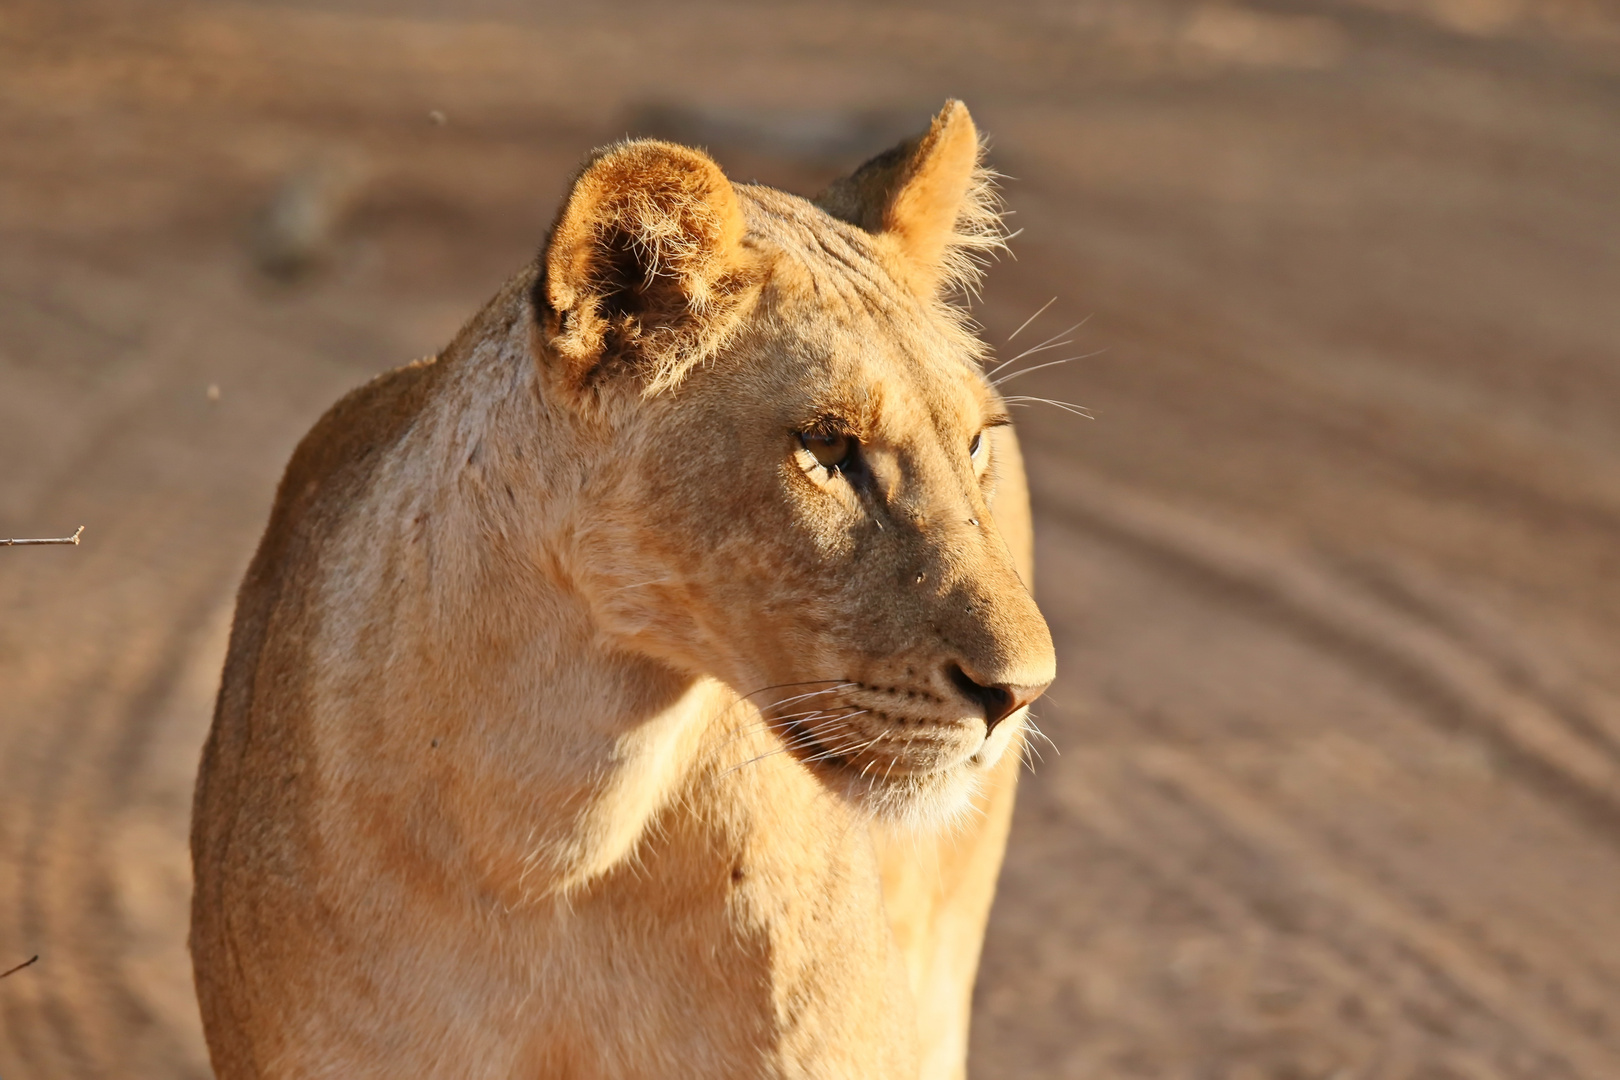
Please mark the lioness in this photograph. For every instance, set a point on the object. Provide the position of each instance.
(635, 689)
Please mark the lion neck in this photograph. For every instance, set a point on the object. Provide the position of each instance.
(539, 744)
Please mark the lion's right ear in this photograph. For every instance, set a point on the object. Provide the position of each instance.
(645, 270)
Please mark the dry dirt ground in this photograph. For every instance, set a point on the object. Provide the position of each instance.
(1334, 573)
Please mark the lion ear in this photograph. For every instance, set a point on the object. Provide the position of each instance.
(645, 269)
(932, 197)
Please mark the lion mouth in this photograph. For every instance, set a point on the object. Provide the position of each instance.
(911, 771)
(898, 752)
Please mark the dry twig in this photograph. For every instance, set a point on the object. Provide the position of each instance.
(74, 539)
(19, 967)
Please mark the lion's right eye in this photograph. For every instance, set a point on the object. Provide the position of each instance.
(830, 450)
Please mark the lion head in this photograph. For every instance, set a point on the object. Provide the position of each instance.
(792, 453)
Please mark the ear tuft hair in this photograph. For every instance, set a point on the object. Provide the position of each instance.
(934, 197)
(645, 268)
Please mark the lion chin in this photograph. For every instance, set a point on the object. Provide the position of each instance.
(932, 788)
(919, 801)
(484, 796)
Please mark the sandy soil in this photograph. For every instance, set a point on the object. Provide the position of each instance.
(1335, 571)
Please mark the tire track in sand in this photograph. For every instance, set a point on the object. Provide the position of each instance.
(1455, 684)
(1463, 687)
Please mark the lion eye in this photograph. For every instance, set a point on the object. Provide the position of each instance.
(832, 451)
(973, 447)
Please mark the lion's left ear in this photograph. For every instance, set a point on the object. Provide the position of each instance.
(932, 198)
(645, 270)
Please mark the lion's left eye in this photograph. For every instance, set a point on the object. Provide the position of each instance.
(976, 445)
(832, 451)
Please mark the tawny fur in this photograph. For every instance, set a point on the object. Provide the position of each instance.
(577, 722)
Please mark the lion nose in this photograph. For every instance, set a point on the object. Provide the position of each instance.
(998, 700)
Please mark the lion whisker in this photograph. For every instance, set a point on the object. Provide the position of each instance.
(640, 584)
(1066, 406)
(816, 725)
(765, 722)
(1032, 318)
(1033, 729)
(874, 742)
(1010, 376)
(1050, 343)
(849, 749)
(754, 760)
(845, 748)
(1029, 352)
(802, 697)
(801, 682)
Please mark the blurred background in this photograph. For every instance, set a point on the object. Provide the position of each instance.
(1334, 572)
